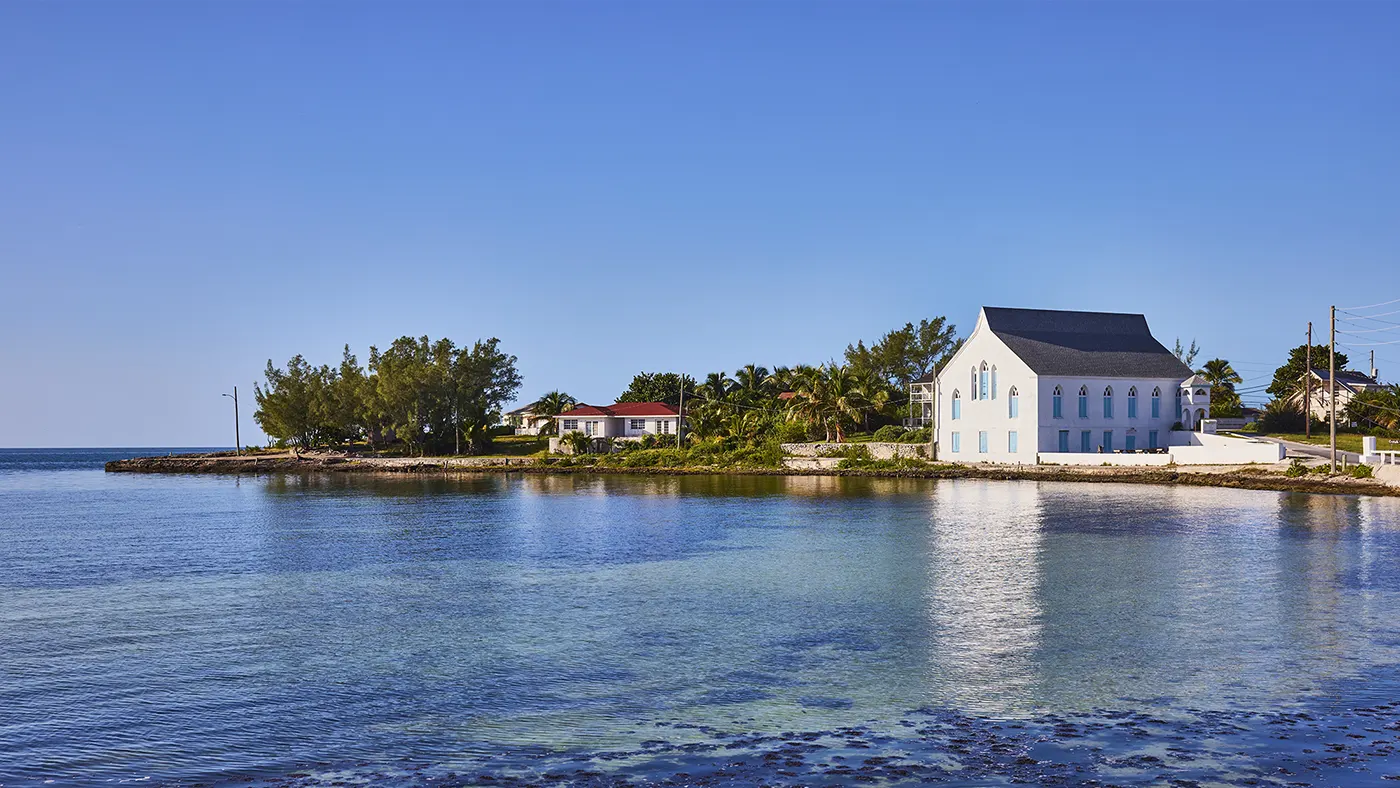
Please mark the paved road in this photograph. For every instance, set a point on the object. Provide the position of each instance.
(1296, 449)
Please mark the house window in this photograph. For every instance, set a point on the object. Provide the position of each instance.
(1013, 403)
(1064, 441)
(1152, 439)
(957, 442)
(589, 427)
(663, 427)
(957, 405)
(1130, 442)
(1011, 441)
(982, 382)
(982, 442)
(1108, 440)
(1057, 407)
(637, 424)
(1083, 402)
(1132, 402)
(1157, 403)
(1108, 402)
(973, 395)
(1200, 392)
(1086, 441)
(994, 381)
(571, 425)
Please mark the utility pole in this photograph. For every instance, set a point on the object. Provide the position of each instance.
(237, 440)
(1332, 388)
(680, 414)
(1307, 388)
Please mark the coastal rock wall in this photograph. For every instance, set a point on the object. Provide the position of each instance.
(878, 451)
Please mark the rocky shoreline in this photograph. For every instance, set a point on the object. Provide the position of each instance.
(1246, 478)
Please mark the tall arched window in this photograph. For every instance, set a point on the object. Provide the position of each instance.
(1013, 403)
(994, 381)
(974, 383)
(1083, 402)
(1108, 402)
(957, 405)
(1132, 402)
(982, 382)
(1057, 404)
(1157, 404)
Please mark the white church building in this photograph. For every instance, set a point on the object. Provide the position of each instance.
(1048, 386)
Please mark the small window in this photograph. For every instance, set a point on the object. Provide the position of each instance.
(1130, 442)
(1156, 403)
(1064, 441)
(1152, 439)
(1083, 402)
(957, 405)
(1108, 440)
(982, 382)
(994, 381)
(1132, 402)
(637, 424)
(1013, 403)
(982, 442)
(1200, 392)
(1108, 402)
(1011, 441)
(1086, 441)
(957, 442)
(571, 425)
(973, 395)
(1057, 405)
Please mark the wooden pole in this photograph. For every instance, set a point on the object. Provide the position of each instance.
(1332, 388)
(680, 414)
(1307, 388)
(237, 439)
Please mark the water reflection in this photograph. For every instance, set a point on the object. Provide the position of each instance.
(984, 571)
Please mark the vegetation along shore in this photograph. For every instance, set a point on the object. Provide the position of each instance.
(1292, 478)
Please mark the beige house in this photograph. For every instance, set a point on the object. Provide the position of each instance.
(1349, 384)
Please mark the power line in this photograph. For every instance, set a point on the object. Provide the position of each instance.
(1371, 306)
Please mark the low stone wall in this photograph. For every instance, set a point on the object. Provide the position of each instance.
(878, 451)
(811, 463)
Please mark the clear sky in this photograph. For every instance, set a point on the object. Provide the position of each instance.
(190, 189)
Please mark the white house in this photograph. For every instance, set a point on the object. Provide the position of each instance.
(1038, 385)
(620, 420)
(1349, 384)
(921, 398)
(524, 420)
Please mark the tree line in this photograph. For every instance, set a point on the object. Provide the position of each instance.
(432, 395)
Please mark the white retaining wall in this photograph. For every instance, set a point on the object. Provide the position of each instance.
(1094, 458)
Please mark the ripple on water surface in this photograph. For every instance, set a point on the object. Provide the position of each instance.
(705, 630)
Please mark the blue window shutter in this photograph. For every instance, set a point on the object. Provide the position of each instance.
(1130, 442)
(1064, 440)
(1108, 440)
(1059, 411)
(1011, 441)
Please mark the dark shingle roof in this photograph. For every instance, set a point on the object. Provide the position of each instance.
(1088, 344)
(1348, 379)
(929, 378)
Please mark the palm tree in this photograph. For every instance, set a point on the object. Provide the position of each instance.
(551, 405)
(875, 391)
(1220, 374)
(716, 387)
(751, 383)
(1224, 402)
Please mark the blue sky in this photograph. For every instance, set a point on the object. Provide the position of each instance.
(190, 189)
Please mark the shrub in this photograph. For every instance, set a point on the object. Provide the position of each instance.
(890, 433)
(1282, 416)
(921, 435)
(792, 432)
(577, 441)
(1361, 471)
(1296, 468)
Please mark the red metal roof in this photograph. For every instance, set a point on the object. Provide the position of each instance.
(622, 410)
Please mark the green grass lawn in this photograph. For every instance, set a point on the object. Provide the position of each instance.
(1346, 441)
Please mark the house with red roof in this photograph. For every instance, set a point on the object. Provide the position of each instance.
(621, 420)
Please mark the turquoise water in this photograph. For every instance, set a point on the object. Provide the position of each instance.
(576, 629)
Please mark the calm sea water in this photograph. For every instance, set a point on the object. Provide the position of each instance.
(697, 630)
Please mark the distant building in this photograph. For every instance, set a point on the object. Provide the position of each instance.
(620, 420)
(1349, 384)
(921, 401)
(524, 420)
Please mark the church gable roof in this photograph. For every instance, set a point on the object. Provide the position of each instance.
(1084, 344)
